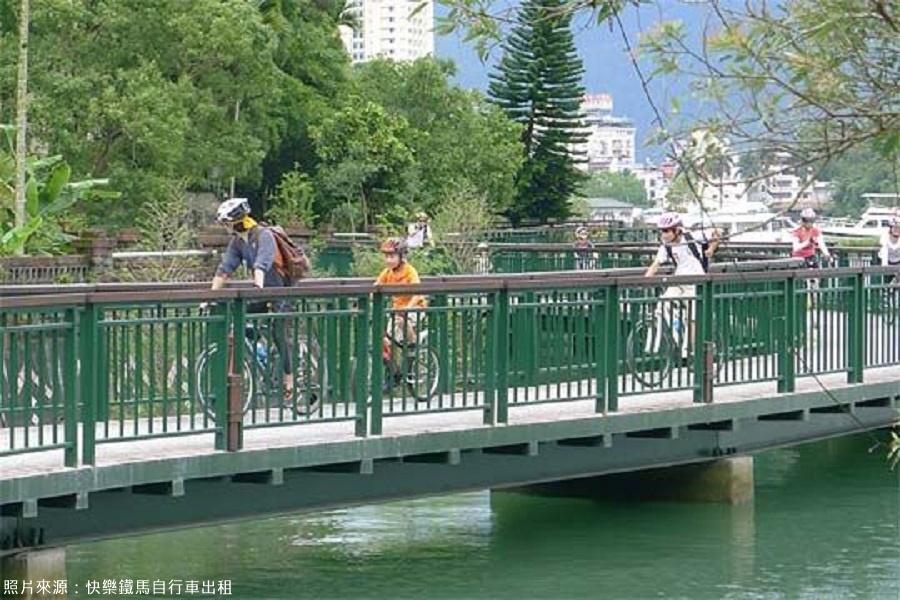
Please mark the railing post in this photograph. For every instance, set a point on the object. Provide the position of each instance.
(439, 323)
(787, 377)
(89, 375)
(361, 390)
(702, 342)
(70, 379)
(227, 374)
(377, 362)
(501, 348)
(856, 329)
(612, 324)
(601, 348)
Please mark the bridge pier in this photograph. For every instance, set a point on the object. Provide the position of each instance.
(35, 574)
(727, 480)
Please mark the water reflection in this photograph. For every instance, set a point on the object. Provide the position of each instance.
(825, 523)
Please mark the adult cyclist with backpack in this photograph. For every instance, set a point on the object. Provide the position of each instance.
(689, 255)
(267, 254)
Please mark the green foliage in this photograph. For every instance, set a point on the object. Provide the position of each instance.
(365, 159)
(622, 186)
(158, 92)
(164, 225)
(807, 80)
(49, 194)
(293, 203)
(460, 224)
(538, 85)
(458, 138)
(862, 170)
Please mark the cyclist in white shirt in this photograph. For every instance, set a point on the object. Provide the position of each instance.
(690, 256)
(889, 253)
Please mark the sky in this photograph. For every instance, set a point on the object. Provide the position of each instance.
(607, 66)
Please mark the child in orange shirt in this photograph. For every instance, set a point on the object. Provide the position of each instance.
(405, 318)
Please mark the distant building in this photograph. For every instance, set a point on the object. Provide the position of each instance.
(785, 187)
(388, 29)
(610, 144)
(610, 209)
(656, 180)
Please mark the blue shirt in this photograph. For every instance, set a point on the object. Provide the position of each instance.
(258, 252)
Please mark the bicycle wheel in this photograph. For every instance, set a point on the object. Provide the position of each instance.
(205, 385)
(35, 393)
(422, 374)
(650, 352)
(310, 378)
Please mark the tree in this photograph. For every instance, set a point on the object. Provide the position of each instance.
(538, 84)
(622, 186)
(807, 80)
(364, 158)
(860, 171)
(460, 141)
(22, 111)
(144, 93)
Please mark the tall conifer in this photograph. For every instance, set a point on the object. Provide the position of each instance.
(538, 84)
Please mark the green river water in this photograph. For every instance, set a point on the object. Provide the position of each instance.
(825, 523)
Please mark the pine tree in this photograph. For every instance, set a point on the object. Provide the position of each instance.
(538, 84)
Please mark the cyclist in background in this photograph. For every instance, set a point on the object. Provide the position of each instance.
(585, 257)
(889, 253)
(419, 234)
(808, 242)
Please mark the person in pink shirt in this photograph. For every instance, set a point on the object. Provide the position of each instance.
(808, 242)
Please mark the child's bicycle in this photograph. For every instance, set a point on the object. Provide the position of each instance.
(412, 364)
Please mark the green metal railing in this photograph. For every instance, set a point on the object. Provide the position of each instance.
(83, 370)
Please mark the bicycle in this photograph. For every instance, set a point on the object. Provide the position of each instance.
(654, 341)
(411, 363)
(262, 375)
(39, 390)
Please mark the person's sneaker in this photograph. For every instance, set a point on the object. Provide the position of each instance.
(308, 408)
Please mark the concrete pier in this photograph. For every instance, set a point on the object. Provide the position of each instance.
(727, 480)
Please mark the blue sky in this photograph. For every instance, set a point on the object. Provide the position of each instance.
(607, 66)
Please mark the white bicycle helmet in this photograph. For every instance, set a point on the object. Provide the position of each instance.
(808, 214)
(669, 220)
(581, 231)
(233, 209)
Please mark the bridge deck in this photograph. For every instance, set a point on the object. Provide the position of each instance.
(312, 433)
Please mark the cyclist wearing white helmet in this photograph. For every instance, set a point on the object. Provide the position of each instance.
(808, 241)
(585, 259)
(254, 246)
(889, 253)
(690, 256)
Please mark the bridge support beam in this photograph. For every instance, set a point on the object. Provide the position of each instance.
(34, 567)
(727, 480)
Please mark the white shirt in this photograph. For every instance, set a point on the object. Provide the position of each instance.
(890, 250)
(418, 235)
(685, 261)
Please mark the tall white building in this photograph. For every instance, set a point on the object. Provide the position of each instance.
(388, 29)
(610, 141)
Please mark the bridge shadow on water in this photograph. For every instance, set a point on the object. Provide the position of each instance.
(824, 523)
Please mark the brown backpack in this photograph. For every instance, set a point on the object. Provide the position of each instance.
(291, 261)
